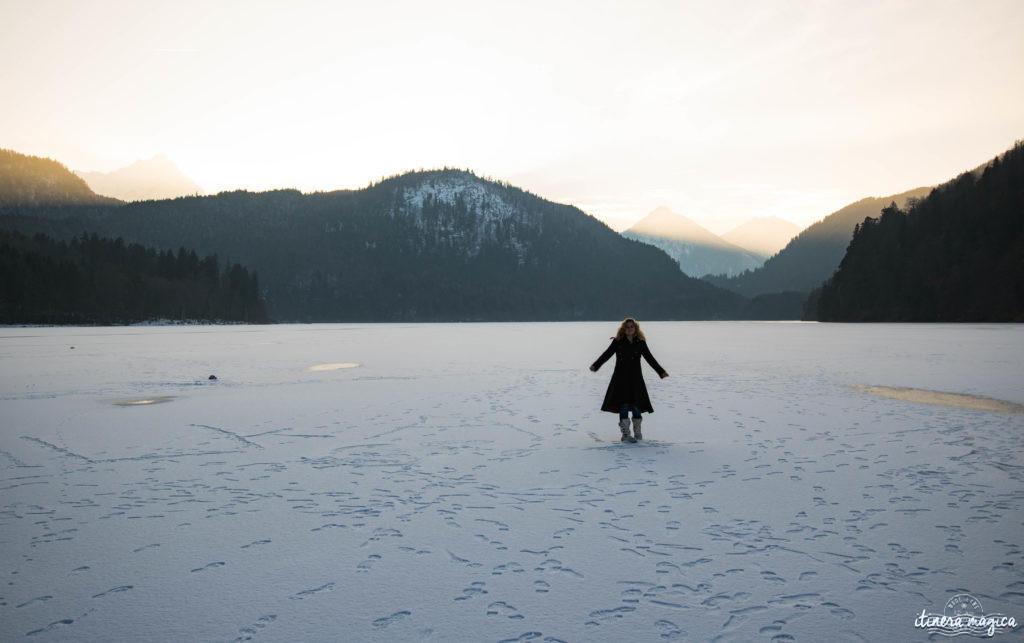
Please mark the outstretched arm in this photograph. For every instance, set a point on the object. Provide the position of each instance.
(605, 356)
(646, 352)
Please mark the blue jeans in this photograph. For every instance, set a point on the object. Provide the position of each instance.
(626, 408)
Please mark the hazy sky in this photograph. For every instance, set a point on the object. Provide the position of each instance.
(722, 110)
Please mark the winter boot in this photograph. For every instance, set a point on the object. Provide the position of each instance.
(624, 428)
(636, 428)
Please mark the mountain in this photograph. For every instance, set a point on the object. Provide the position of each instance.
(697, 250)
(764, 236)
(440, 245)
(156, 178)
(957, 255)
(34, 181)
(814, 254)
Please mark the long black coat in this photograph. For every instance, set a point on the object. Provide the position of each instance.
(627, 385)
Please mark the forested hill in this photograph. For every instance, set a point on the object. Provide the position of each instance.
(92, 280)
(957, 255)
(814, 254)
(426, 246)
(31, 180)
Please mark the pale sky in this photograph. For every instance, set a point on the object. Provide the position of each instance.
(721, 110)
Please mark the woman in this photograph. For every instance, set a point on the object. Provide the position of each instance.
(627, 391)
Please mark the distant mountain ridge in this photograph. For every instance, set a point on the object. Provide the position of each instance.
(35, 181)
(764, 236)
(814, 254)
(441, 245)
(446, 245)
(698, 251)
(151, 179)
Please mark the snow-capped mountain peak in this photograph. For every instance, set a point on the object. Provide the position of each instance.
(698, 251)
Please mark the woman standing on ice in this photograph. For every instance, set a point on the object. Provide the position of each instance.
(627, 391)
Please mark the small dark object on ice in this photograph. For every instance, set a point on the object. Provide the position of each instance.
(212, 377)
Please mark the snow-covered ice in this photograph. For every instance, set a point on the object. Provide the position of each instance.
(457, 482)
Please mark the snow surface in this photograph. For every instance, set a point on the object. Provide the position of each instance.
(459, 483)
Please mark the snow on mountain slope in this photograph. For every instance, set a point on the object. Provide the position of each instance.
(461, 207)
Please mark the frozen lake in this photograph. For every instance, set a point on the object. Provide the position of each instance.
(458, 482)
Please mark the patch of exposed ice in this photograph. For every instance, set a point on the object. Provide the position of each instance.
(956, 400)
(144, 401)
(332, 367)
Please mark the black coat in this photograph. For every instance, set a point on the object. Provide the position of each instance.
(627, 385)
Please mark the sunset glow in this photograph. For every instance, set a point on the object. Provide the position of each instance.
(721, 111)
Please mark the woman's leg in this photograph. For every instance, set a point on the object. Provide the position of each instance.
(625, 409)
(624, 422)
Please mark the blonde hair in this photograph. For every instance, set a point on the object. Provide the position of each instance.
(621, 333)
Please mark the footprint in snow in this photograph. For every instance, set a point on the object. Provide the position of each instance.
(475, 589)
(306, 593)
(145, 547)
(501, 608)
(209, 566)
(256, 543)
(38, 599)
(116, 590)
(385, 621)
